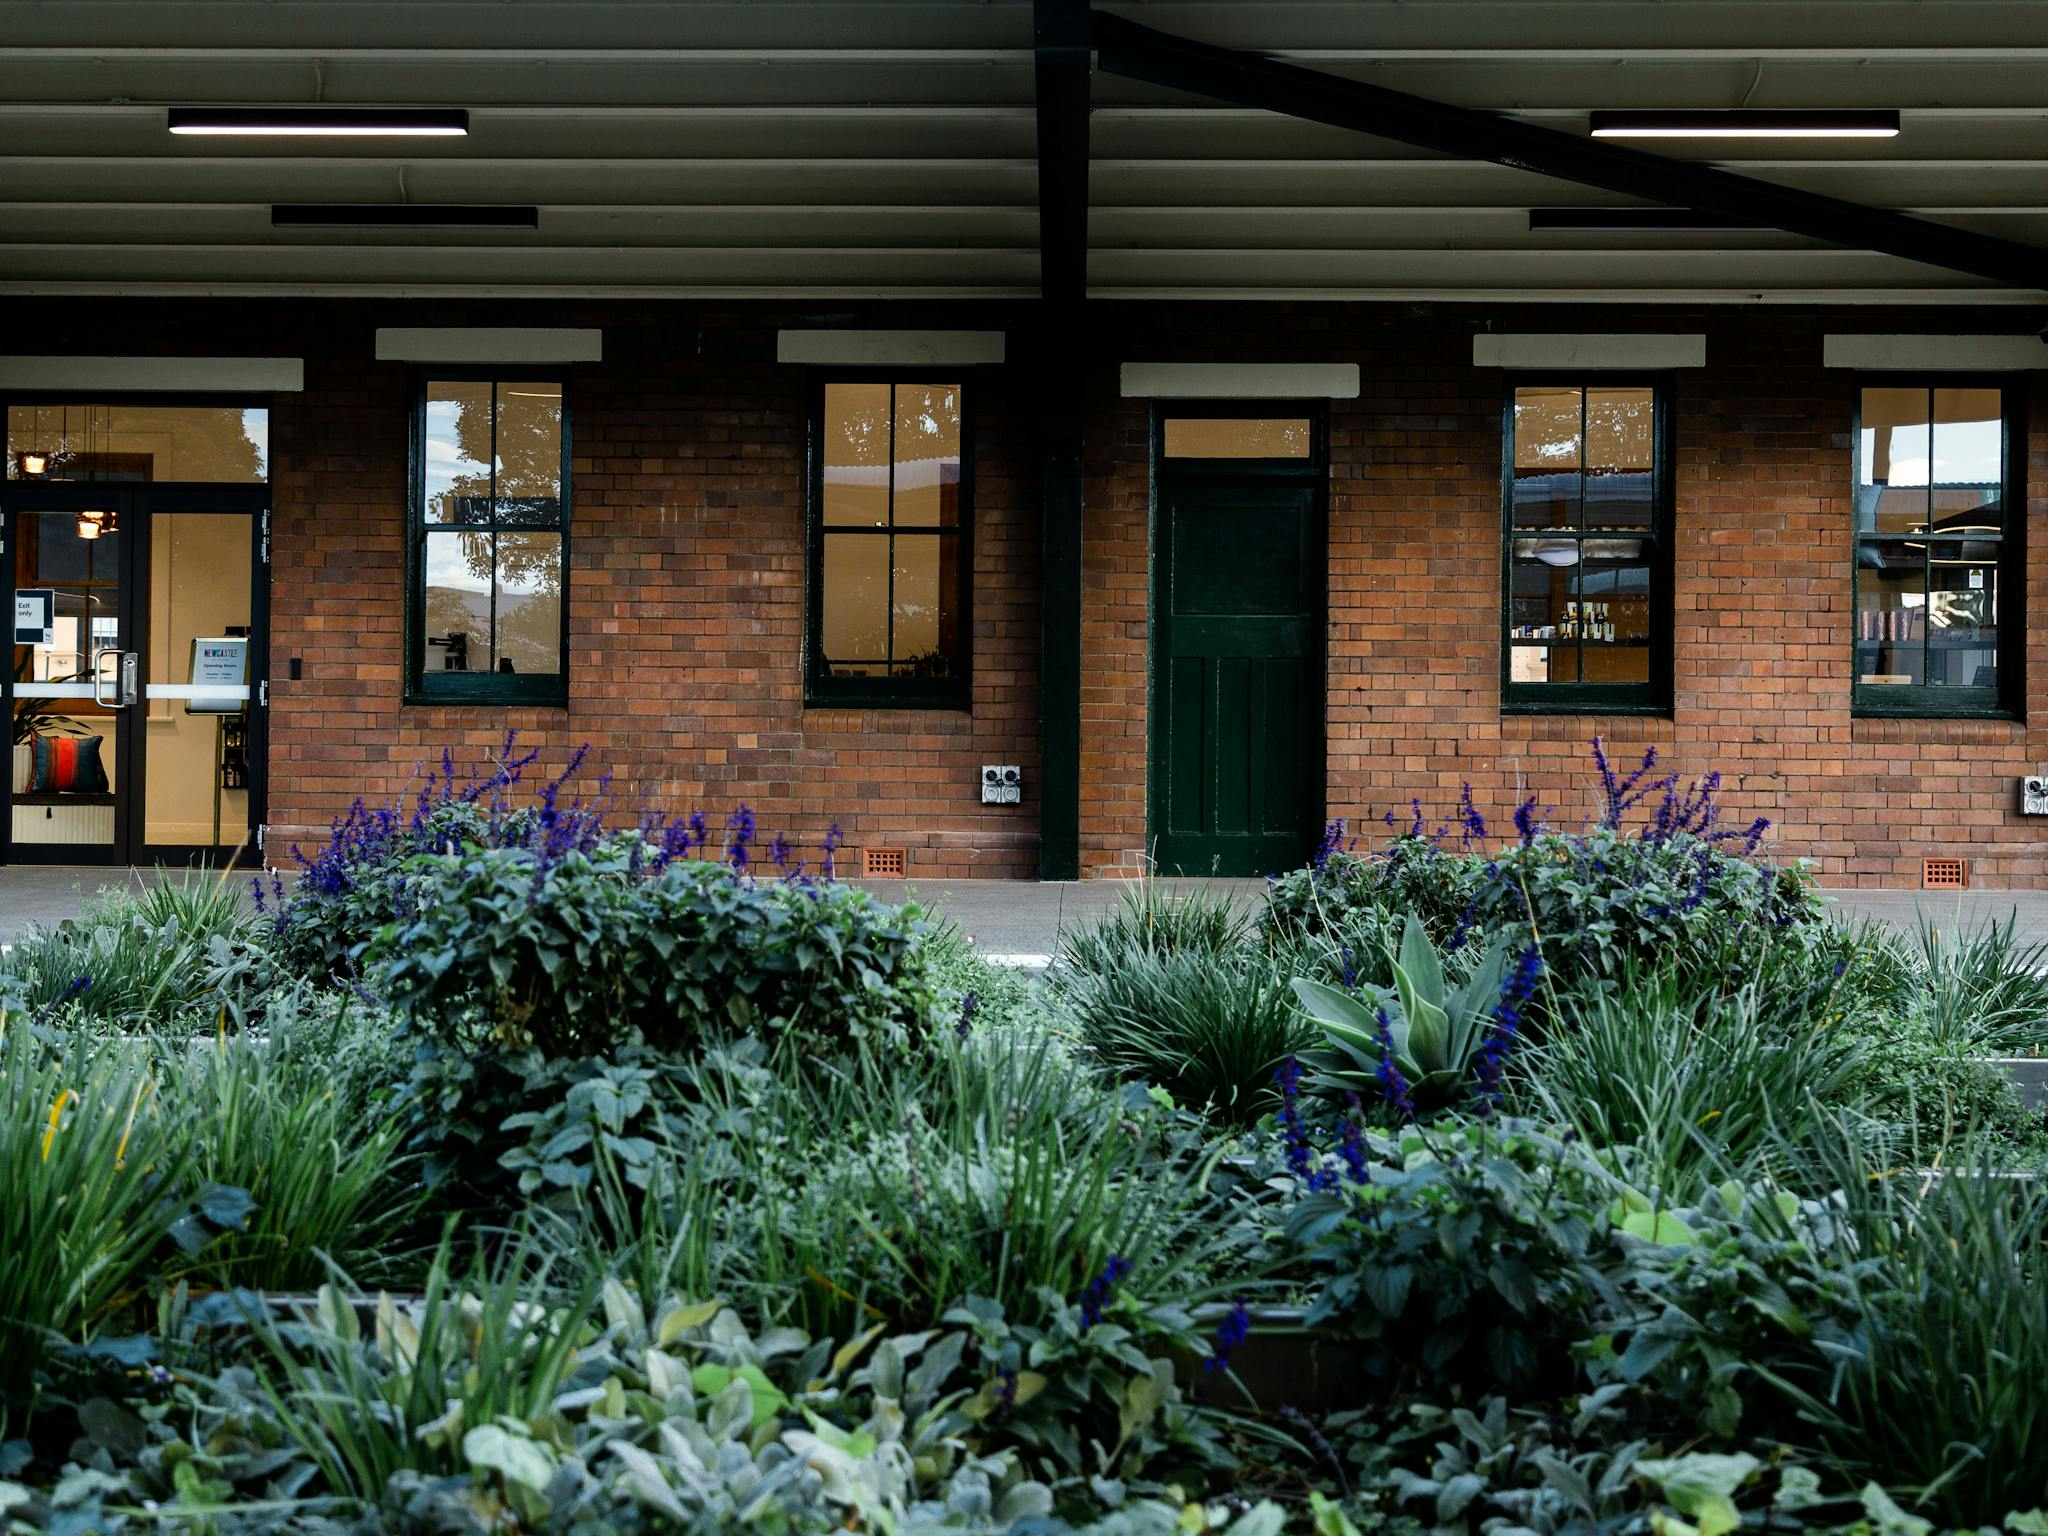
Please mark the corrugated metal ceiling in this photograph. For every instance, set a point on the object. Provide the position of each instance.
(842, 149)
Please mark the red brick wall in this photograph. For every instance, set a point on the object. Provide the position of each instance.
(1762, 594)
(685, 587)
(687, 573)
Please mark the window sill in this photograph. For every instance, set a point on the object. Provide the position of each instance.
(553, 696)
(1586, 707)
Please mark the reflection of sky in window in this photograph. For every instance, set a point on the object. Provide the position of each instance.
(448, 567)
(1969, 454)
(256, 428)
(445, 460)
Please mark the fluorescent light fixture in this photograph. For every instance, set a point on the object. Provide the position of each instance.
(321, 122)
(1632, 220)
(1748, 123)
(404, 216)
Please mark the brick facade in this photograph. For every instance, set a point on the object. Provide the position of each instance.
(686, 581)
(1762, 592)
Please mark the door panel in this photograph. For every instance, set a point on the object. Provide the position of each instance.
(1237, 741)
(70, 737)
(136, 736)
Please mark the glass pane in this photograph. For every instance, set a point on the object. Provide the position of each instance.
(197, 767)
(1620, 448)
(1548, 453)
(1891, 611)
(1616, 664)
(856, 432)
(855, 631)
(1892, 461)
(62, 767)
(138, 442)
(1237, 437)
(926, 635)
(529, 604)
(1968, 460)
(1962, 623)
(1542, 589)
(458, 454)
(530, 453)
(457, 634)
(1544, 663)
(1614, 602)
(52, 552)
(928, 455)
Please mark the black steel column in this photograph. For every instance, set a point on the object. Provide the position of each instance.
(1061, 38)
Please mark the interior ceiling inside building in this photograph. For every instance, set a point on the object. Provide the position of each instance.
(840, 149)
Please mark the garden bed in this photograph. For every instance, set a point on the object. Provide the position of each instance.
(1492, 1179)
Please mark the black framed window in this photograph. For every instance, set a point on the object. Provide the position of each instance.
(1586, 610)
(488, 554)
(888, 565)
(1934, 549)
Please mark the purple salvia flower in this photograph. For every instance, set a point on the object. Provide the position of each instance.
(1231, 1332)
(1515, 991)
(1102, 1288)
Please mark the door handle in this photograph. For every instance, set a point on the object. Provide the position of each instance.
(115, 689)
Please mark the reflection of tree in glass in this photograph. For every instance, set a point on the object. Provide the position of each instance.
(529, 481)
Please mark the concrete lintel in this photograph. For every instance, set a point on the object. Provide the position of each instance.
(136, 375)
(1240, 381)
(1579, 349)
(890, 349)
(488, 344)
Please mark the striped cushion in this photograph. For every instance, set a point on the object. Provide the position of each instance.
(69, 765)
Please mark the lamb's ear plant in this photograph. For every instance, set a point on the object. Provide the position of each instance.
(95, 1162)
(1436, 1031)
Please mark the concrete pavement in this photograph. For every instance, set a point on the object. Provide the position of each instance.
(1023, 918)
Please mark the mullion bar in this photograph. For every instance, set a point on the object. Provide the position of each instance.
(889, 510)
(1579, 566)
(494, 527)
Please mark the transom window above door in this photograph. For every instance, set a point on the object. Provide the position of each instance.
(1586, 532)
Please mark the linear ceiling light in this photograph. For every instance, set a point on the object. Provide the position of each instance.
(1747, 123)
(1632, 220)
(404, 216)
(330, 122)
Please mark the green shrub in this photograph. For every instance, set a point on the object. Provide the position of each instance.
(1156, 918)
(569, 956)
(1003, 997)
(1677, 887)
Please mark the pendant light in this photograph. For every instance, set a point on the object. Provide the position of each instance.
(94, 522)
(34, 461)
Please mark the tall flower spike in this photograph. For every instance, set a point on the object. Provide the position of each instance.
(1515, 991)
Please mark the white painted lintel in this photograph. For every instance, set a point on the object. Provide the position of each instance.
(154, 375)
(1240, 381)
(1572, 350)
(488, 344)
(1927, 354)
(890, 349)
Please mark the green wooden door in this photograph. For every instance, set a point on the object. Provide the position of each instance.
(1237, 738)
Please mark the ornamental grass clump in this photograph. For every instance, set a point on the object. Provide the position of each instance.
(96, 1164)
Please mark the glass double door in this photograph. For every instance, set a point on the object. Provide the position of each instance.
(134, 701)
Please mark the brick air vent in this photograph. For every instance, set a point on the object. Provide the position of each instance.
(882, 863)
(1943, 874)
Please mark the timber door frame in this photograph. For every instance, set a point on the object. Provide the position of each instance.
(1312, 473)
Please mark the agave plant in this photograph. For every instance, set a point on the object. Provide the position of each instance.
(1437, 1032)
